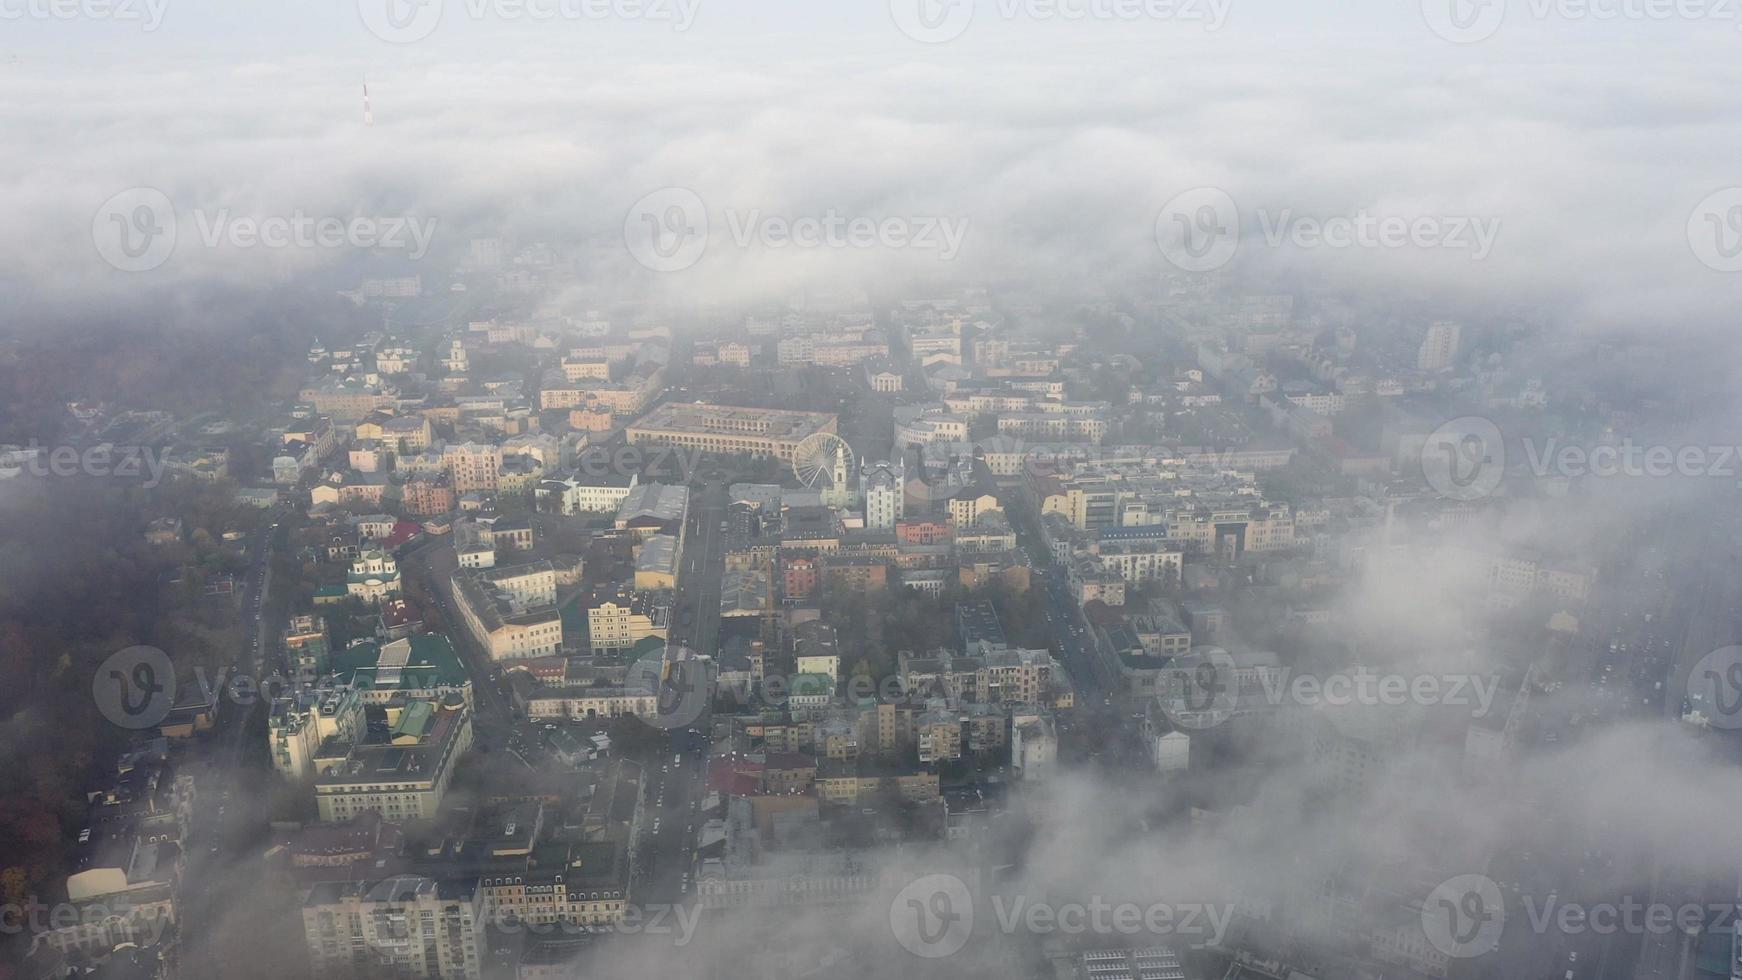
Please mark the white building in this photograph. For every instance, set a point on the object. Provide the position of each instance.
(1152, 963)
(1440, 347)
(883, 486)
(1171, 752)
(593, 495)
(1034, 744)
(300, 723)
(403, 773)
(511, 611)
(374, 576)
(409, 926)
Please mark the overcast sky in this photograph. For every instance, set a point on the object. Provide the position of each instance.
(1561, 160)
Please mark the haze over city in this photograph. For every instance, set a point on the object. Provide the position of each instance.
(1179, 489)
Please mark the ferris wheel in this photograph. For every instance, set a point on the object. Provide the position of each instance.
(823, 460)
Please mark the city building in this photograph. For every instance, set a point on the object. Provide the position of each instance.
(1147, 963)
(406, 926)
(472, 466)
(656, 563)
(307, 647)
(374, 576)
(617, 620)
(421, 666)
(511, 610)
(1439, 349)
(302, 721)
(403, 771)
(883, 486)
(728, 430)
(654, 508)
(589, 495)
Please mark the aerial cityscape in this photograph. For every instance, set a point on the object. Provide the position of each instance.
(1024, 489)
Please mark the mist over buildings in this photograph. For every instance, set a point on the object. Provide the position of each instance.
(1563, 172)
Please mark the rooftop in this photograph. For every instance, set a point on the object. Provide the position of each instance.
(423, 661)
(701, 417)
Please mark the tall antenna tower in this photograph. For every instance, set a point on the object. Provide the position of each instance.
(368, 113)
